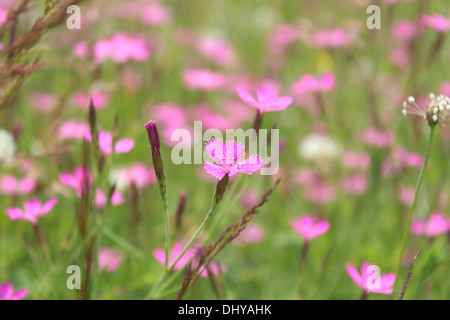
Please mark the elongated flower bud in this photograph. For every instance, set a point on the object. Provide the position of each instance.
(220, 189)
(153, 138)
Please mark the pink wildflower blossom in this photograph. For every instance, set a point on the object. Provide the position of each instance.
(105, 141)
(308, 228)
(310, 83)
(33, 209)
(376, 138)
(122, 48)
(100, 198)
(355, 184)
(10, 185)
(437, 224)
(266, 99)
(251, 234)
(109, 259)
(3, 16)
(366, 280)
(436, 21)
(155, 14)
(355, 160)
(7, 292)
(138, 174)
(160, 255)
(227, 158)
(203, 79)
(73, 129)
(100, 100)
(79, 180)
(333, 38)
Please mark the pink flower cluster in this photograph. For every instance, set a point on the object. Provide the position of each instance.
(437, 224)
(122, 48)
(7, 292)
(11, 185)
(32, 210)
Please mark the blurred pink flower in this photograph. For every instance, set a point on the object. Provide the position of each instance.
(73, 129)
(122, 48)
(215, 268)
(216, 50)
(100, 100)
(155, 14)
(282, 37)
(406, 196)
(368, 282)
(437, 224)
(7, 292)
(386, 168)
(138, 174)
(355, 160)
(210, 119)
(226, 158)
(79, 180)
(100, 198)
(408, 159)
(308, 228)
(320, 193)
(10, 185)
(203, 79)
(44, 102)
(445, 89)
(160, 255)
(3, 16)
(80, 50)
(105, 141)
(405, 30)
(170, 117)
(251, 234)
(436, 21)
(310, 83)
(395, 1)
(306, 177)
(399, 57)
(33, 209)
(267, 99)
(109, 259)
(376, 138)
(332, 38)
(249, 198)
(355, 184)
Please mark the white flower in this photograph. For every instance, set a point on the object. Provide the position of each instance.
(318, 147)
(437, 111)
(7, 145)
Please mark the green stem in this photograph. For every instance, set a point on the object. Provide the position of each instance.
(166, 211)
(411, 211)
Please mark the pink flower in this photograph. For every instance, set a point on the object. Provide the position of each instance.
(406, 196)
(436, 21)
(155, 14)
(170, 117)
(308, 228)
(7, 292)
(73, 129)
(121, 48)
(100, 198)
(33, 209)
(395, 1)
(100, 100)
(282, 37)
(405, 30)
(227, 158)
(437, 224)
(333, 38)
(310, 83)
(43, 102)
(79, 180)
(215, 49)
(320, 193)
(138, 174)
(81, 50)
(214, 120)
(408, 159)
(251, 234)
(105, 141)
(355, 184)
(109, 259)
(3, 16)
(267, 99)
(399, 57)
(376, 138)
(9, 185)
(355, 160)
(203, 79)
(215, 268)
(382, 284)
(160, 255)
(445, 89)
(306, 177)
